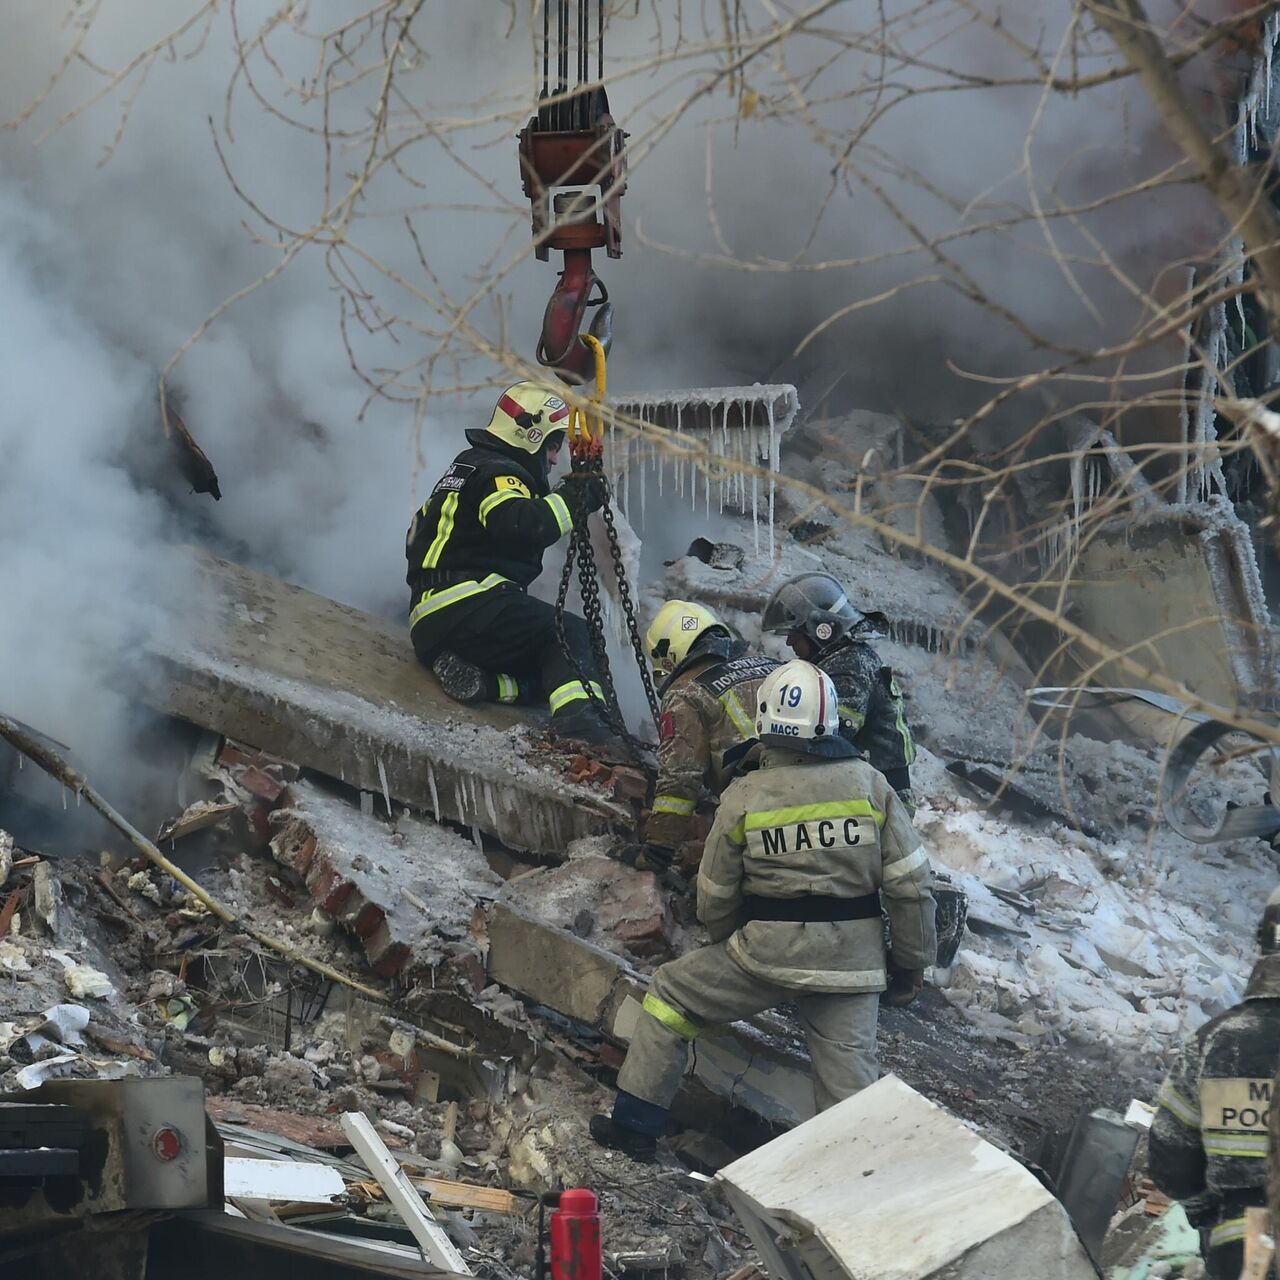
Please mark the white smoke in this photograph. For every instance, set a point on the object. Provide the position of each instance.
(109, 267)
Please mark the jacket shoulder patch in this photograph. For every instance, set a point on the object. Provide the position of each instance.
(725, 675)
(513, 484)
(666, 727)
(453, 479)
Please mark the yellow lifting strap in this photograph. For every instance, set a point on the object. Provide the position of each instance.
(586, 426)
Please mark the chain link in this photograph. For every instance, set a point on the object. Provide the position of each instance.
(582, 556)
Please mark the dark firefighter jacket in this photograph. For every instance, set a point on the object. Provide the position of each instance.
(1208, 1145)
(872, 714)
(708, 709)
(489, 519)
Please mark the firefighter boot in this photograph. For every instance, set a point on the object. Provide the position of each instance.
(463, 681)
(585, 724)
(607, 1132)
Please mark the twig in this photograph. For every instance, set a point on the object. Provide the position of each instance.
(54, 765)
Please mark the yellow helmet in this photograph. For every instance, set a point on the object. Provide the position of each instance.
(527, 414)
(675, 630)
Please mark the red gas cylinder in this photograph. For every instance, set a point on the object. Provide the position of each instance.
(576, 1252)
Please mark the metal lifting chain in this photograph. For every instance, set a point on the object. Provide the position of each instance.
(588, 468)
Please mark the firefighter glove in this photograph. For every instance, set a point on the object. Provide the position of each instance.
(583, 491)
(904, 986)
(658, 859)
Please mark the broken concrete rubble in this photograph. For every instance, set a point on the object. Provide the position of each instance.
(406, 891)
(339, 691)
(887, 1184)
(739, 1065)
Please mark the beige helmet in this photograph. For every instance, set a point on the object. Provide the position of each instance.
(527, 415)
(676, 629)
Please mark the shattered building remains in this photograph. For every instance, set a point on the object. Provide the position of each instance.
(344, 983)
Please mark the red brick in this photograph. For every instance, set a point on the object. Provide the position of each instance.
(328, 886)
(650, 937)
(630, 784)
(386, 956)
(393, 960)
(302, 856)
(261, 784)
(367, 921)
(232, 755)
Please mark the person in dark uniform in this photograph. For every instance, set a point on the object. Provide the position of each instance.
(473, 549)
(820, 624)
(1209, 1139)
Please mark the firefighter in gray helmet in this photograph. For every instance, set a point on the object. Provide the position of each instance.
(821, 625)
(802, 855)
(1208, 1145)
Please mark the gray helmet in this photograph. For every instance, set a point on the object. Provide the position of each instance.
(814, 604)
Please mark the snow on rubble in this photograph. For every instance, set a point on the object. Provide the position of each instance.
(1117, 946)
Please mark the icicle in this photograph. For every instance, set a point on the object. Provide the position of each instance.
(366, 803)
(435, 795)
(475, 837)
(459, 803)
(489, 805)
(386, 790)
(774, 463)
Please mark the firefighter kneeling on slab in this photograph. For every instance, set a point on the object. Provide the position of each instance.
(1208, 1145)
(802, 855)
(474, 548)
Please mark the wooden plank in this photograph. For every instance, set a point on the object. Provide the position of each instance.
(456, 1195)
(1259, 1247)
(429, 1234)
(311, 1131)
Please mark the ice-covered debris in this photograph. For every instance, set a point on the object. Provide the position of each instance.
(13, 957)
(1129, 943)
(6, 856)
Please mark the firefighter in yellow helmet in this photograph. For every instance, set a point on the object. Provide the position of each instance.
(707, 684)
(475, 546)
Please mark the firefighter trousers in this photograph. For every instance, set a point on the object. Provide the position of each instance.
(510, 633)
(707, 988)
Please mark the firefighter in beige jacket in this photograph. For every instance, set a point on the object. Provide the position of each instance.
(803, 855)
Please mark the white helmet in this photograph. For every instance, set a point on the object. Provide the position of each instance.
(798, 709)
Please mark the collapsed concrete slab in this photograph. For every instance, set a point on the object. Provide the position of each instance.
(340, 691)
(406, 892)
(1178, 588)
(887, 1185)
(742, 1065)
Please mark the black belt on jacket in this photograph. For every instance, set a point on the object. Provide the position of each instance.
(812, 908)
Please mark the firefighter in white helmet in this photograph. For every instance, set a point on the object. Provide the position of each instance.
(476, 545)
(707, 684)
(803, 855)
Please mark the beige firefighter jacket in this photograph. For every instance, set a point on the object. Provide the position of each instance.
(803, 826)
(707, 709)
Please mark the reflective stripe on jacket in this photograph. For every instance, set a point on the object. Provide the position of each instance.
(488, 520)
(802, 826)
